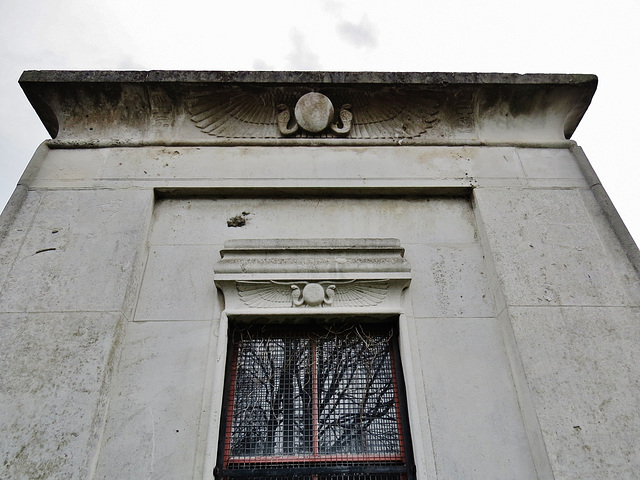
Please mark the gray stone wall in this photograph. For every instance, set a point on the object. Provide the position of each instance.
(519, 332)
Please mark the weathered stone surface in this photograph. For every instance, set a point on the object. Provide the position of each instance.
(77, 254)
(273, 77)
(409, 167)
(620, 251)
(54, 370)
(314, 111)
(201, 220)
(581, 364)
(472, 409)
(16, 233)
(571, 296)
(156, 402)
(450, 281)
(185, 230)
(177, 108)
(546, 249)
(177, 283)
(548, 165)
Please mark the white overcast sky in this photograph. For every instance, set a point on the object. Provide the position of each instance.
(542, 36)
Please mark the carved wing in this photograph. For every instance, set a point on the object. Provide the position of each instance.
(360, 294)
(392, 115)
(264, 294)
(235, 113)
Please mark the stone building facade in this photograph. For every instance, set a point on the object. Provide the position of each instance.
(182, 228)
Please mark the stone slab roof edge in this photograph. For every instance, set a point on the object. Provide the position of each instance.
(87, 109)
(284, 77)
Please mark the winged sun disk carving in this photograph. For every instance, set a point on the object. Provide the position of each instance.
(249, 114)
(270, 293)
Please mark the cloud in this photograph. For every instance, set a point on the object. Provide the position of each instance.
(359, 35)
(302, 57)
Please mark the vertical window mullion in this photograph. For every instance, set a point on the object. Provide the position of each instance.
(404, 435)
(396, 400)
(227, 407)
(314, 396)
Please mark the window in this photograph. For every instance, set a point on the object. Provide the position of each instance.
(314, 402)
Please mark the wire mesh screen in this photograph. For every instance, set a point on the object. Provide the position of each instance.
(316, 400)
(363, 476)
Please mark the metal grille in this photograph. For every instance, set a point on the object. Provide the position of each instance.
(321, 402)
(339, 476)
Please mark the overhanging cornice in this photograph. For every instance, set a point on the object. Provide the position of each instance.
(109, 108)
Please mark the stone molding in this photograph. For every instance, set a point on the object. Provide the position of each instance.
(312, 276)
(101, 109)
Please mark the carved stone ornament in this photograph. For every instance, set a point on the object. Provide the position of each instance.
(348, 293)
(312, 276)
(278, 114)
(314, 113)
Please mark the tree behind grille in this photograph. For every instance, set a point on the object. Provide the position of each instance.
(314, 392)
